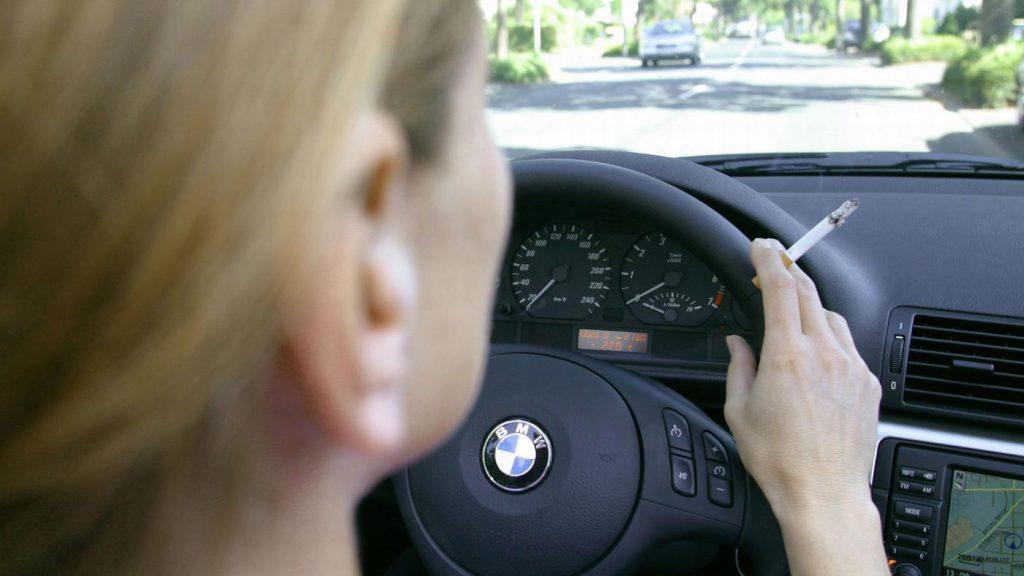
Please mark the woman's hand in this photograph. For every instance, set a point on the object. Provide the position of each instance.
(805, 422)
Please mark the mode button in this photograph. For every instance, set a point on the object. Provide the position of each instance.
(913, 511)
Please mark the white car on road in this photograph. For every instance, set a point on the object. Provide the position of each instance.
(774, 35)
(671, 40)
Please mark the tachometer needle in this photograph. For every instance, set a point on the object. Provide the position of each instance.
(539, 294)
(645, 293)
(653, 307)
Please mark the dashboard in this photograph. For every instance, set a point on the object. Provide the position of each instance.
(928, 275)
(935, 310)
(615, 289)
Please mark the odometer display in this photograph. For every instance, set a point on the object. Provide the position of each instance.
(561, 271)
(612, 341)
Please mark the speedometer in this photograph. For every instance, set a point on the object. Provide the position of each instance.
(561, 271)
(662, 283)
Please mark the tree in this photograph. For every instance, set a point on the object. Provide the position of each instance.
(865, 23)
(625, 29)
(913, 27)
(520, 10)
(501, 46)
(818, 15)
(840, 25)
(588, 7)
(996, 20)
(642, 7)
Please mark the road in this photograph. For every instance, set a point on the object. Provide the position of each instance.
(745, 97)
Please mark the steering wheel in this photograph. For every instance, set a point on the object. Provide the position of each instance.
(570, 465)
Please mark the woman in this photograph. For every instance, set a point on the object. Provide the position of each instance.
(227, 244)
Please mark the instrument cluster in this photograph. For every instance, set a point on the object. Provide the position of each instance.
(592, 278)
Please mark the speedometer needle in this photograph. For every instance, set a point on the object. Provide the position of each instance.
(539, 294)
(642, 294)
(653, 307)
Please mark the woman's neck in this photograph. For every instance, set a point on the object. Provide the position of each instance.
(303, 528)
(283, 503)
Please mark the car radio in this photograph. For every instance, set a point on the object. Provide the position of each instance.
(950, 512)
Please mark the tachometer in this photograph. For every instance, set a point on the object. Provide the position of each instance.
(663, 283)
(561, 271)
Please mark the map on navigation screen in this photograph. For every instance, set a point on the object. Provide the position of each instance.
(985, 533)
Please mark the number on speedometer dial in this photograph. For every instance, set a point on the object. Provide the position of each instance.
(561, 271)
(662, 283)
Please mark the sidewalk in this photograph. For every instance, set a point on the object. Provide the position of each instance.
(995, 132)
(999, 127)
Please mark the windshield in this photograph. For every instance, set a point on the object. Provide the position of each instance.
(670, 28)
(684, 78)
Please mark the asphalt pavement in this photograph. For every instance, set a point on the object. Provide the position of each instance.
(745, 97)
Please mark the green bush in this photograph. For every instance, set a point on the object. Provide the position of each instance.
(827, 39)
(713, 35)
(634, 50)
(520, 37)
(519, 69)
(872, 47)
(929, 26)
(926, 48)
(985, 77)
(957, 21)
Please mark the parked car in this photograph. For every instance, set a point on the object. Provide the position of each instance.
(671, 40)
(774, 35)
(743, 29)
(854, 38)
(1017, 32)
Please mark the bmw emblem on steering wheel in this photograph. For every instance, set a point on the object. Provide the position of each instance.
(516, 455)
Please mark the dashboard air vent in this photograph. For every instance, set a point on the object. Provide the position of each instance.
(966, 365)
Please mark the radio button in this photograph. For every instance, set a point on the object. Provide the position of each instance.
(720, 492)
(910, 527)
(713, 449)
(907, 540)
(916, 488)
(913, 511)
(683, 481)
(905, 552)
(917, 474)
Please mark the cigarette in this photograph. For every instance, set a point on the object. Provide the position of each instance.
(834, 220)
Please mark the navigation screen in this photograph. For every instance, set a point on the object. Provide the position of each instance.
(985, 536)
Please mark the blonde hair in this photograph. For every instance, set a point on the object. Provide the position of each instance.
(433, 47)
(158, 161)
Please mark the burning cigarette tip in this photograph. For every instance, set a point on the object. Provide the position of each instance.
(838, 216)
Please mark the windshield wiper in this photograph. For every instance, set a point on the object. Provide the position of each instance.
(863, 164)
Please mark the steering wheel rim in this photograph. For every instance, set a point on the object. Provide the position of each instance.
(557, 186)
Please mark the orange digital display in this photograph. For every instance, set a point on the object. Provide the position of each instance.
(612, 341)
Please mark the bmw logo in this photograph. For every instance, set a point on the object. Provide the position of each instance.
(516, 455)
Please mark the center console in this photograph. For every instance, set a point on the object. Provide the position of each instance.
(950, 511)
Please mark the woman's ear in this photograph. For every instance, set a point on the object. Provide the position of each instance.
(382, 348)
(349, 344)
